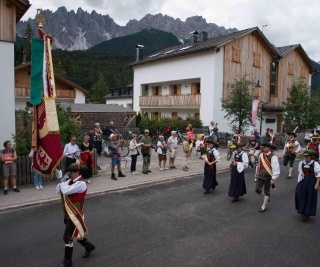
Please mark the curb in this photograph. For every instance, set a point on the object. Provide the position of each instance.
(104, 191)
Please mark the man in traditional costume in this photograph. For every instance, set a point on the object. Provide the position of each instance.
(314, 146)
(237, 185)
(308, 182)
(73, 192)
(268, 170)
(290, 151)
(211, 157)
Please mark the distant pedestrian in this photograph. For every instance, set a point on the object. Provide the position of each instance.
(237, 187)
(111, 129)
(146, 152)
(211, 157)
(9, 167)
(307, 188)
(173, 148)
(162, 153)
(73, 193)
(187, 150)
(134, 153)
(256, 134)
(115, 158)
(267, 172)
(71, 151)
(97, 138)
(37, 178)
(86, 151)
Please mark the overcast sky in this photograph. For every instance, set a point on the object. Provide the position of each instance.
(289, 21)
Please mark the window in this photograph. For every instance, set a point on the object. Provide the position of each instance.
(303, 73)
(146, 90)
(273, 78)
(256, 60)
(174, 115)
(175, 89)
(155, 115)
(156, 90)
(236, 54)
(291, 69)
(195, 88)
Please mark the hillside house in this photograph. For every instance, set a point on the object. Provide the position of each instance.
(121, 95)
(10, 13)
(66, 90)
(191, 79)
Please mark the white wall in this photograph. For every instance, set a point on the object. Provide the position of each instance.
(80, 97)
(7, 102)
(208, 67)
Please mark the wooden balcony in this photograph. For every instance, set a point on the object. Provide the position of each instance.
(61, 93)
(178, 101)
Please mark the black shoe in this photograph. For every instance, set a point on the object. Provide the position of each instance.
(145, 172)
(148, 171)
(121, 174)
(66, 263)
(261, 210)
(113, 176)
(16, 190)
(5, 192)
(88, 251)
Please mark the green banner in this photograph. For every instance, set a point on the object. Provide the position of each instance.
(36, 71)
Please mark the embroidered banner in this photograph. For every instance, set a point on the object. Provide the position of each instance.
(46, 140)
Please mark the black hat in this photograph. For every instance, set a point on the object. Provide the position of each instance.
(269, 145)
(76, 167)
(292, 133)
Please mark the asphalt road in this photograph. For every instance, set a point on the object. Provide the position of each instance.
(171, 224)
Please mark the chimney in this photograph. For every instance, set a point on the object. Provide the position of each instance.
(193, 37)
(203, 36)
(139, 55)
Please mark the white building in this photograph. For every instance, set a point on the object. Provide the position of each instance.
(10, 13)
(191, 79)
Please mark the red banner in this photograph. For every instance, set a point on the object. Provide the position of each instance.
(255, 105)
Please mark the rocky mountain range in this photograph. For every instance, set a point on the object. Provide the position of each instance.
(81, 30)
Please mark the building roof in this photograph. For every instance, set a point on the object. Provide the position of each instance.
(284, 50)
(207, 45)
(56, 76)
(75, 107)
(21, 7)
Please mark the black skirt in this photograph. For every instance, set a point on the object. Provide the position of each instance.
(210, 177)
(237, 185)
(306, 197)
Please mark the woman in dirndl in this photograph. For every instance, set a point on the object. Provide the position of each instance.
(307, 187)
(211, 157)
(240, 161)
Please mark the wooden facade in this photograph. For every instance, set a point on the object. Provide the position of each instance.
(251, 50)
(10, 13)
(176, 101)
(64, 88)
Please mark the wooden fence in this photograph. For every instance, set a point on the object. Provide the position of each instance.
(25, 175)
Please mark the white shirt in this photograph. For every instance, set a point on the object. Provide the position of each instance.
(76, 187)
(133, 147)
(316, 169)
(215, 153)
(244, 158)
(70, 149)
(173, 142)
(159, 149)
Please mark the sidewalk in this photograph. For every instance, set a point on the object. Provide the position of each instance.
(101, 183)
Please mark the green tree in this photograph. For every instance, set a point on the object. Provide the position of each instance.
(238, 104)
(22, 139)
(301, 110)
(99, 90)
(27, 37)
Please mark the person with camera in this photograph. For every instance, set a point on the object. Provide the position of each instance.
(115, 157)
(162, 148)
(134, 153)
